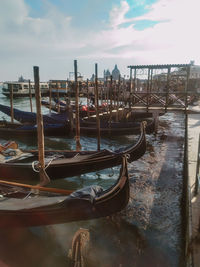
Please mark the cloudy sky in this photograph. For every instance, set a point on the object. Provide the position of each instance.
(51, 34)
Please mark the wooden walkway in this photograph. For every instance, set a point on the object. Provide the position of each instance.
(194, 200)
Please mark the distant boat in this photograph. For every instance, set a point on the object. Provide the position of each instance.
(21, 88)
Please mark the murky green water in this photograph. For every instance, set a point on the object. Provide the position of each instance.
(147, 233)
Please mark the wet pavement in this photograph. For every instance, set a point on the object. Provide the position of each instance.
(193, 249)
(149, 231)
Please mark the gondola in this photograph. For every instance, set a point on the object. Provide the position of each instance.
(15, 129)
(31, 117)
(60, 125)
(62, 164)
(20, 207)
(116, 128)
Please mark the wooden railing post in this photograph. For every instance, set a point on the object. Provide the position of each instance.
(167, 89)
(186, 87)
(148, 89)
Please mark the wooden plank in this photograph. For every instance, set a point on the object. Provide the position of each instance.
(164, 66)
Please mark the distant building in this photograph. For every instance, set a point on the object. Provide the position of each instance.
(92, 79)
(106, 74)
(115, 73)
(181, 73)
(195, 72)
(59, 86)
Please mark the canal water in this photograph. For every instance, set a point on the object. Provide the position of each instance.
(148, 232)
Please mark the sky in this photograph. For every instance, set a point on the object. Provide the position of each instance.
(52, 34)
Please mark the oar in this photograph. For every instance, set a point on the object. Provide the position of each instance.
(37, 187)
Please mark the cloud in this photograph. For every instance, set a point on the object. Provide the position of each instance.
(117, 14)
(52, 42)
(174, 39)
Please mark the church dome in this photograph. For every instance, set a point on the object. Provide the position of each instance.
(115, 73)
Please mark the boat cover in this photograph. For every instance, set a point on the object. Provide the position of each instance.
(30, 202)
(31, 117)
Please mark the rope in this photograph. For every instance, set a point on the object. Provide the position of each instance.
(79, 249)
(36, 164)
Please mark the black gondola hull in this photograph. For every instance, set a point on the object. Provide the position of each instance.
(70, 209)
(72, 163)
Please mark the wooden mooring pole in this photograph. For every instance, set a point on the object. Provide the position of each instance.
(58, 98)
(107, 95)
(70, 112)
(78, 144)
(88, 100)
(97, 106)
(44, 179)
(118, 94)
(110, 98)
(30, 95)
(50, 97)
(130, 90)
(11, 104)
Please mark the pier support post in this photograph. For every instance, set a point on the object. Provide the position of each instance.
(155, 116)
